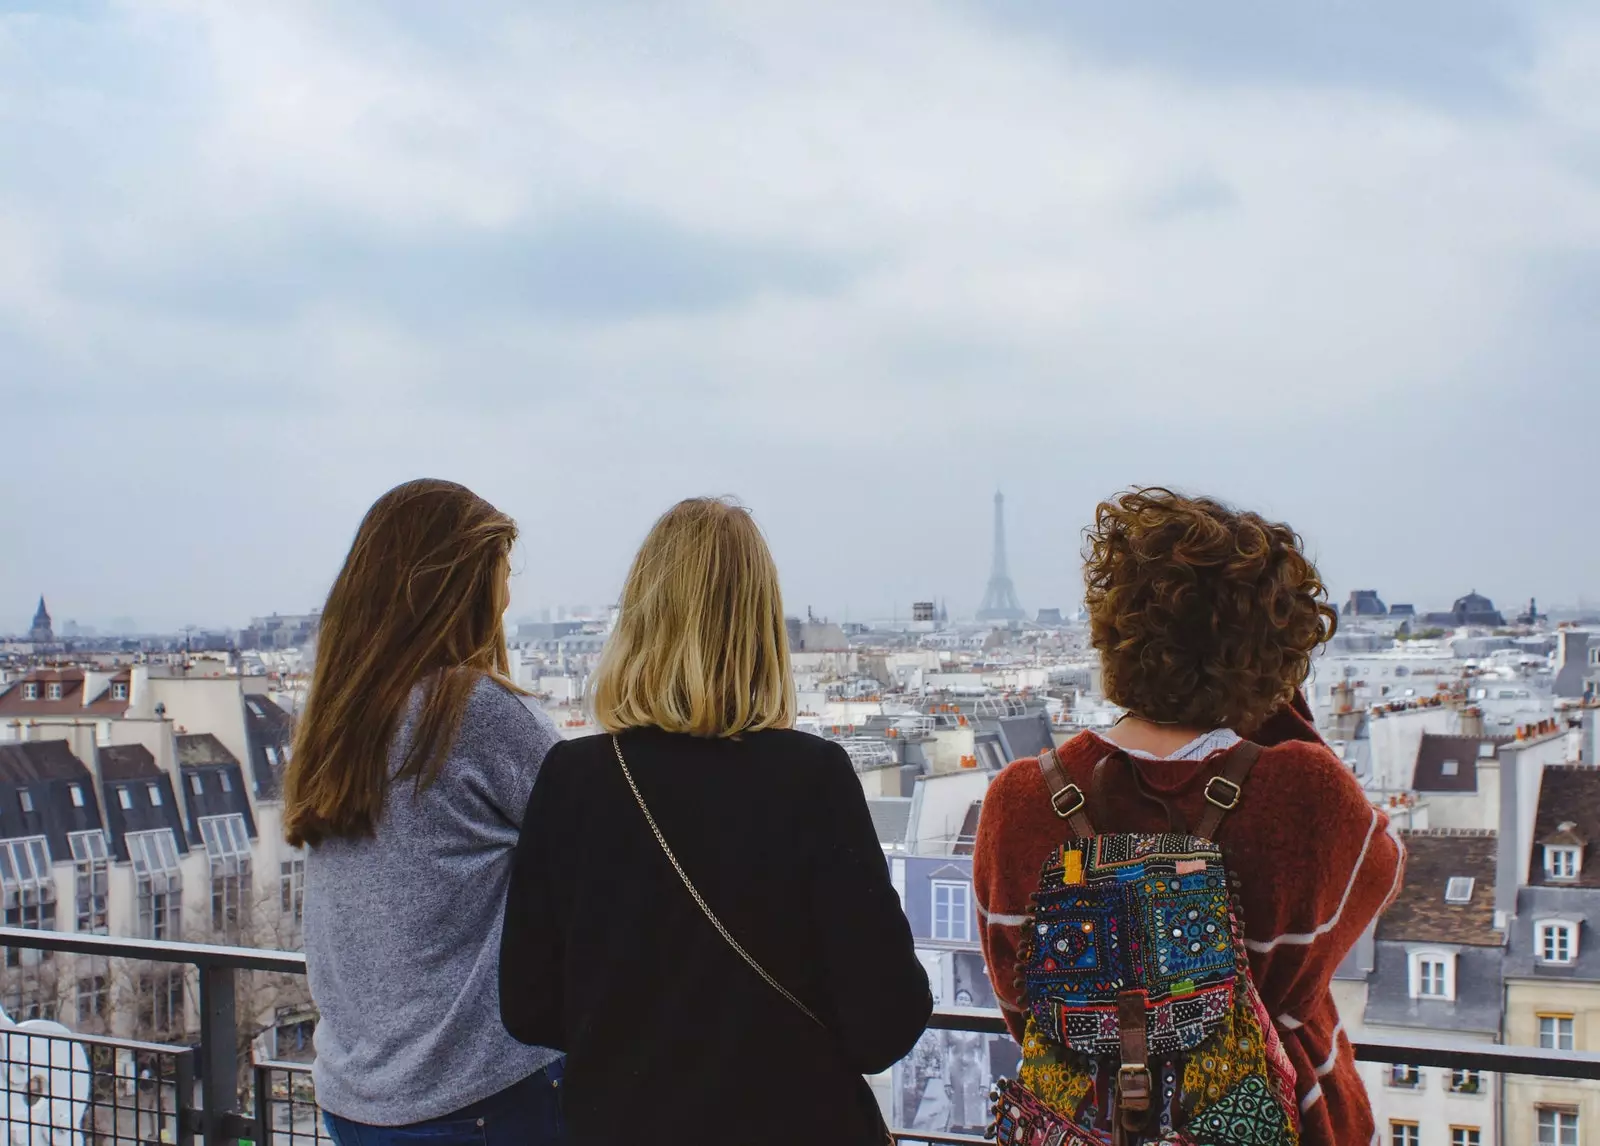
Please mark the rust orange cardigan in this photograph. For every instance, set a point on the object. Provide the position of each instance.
(1318, 863)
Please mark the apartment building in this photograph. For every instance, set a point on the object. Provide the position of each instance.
(1552, 971)
(146, 805)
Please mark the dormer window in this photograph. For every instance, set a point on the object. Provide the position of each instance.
(1561, 861)
(1433, 974)
(196, 785)
(155, 794)
(119, 691)
(125, 798)
(30, 691)
(76, 792)
(1556, 941)
(1459, 889)
(52, 691)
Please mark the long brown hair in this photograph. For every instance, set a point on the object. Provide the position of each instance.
(419, 600)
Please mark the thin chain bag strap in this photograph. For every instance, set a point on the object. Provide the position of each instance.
(699, 900)
(705, 908)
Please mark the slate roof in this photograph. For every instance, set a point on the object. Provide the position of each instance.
(1026, 735)
(203, 748)
(38, 761)
(1430, 775)
(49, 772)
(268, 726)
(1476, 1007)
(1420, 914)
(1569, 793)
(127, 762)
(891, 816)
(1536, 904)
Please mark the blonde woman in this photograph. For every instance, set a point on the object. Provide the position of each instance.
(700, 914)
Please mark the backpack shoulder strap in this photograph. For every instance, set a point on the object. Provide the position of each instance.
(1066, 797)
(1224, 790)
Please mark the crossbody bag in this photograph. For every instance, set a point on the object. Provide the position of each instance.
(727, 936)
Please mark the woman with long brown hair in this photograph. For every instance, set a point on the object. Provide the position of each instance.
(411, 770)
(701, 915)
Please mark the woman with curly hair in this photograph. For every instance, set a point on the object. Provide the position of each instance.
(1205, 619)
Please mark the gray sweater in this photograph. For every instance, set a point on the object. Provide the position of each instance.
(403, 930)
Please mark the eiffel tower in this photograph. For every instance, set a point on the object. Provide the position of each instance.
(1000, 598)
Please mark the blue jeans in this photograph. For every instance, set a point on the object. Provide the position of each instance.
(527, 1113)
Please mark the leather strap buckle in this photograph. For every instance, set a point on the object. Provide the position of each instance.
(1133, 1087)
(1227, 802)
(1072, 792)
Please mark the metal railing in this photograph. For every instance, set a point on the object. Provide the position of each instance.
(159, 1101)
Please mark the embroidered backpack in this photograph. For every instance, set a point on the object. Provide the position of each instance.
(1143, 1023)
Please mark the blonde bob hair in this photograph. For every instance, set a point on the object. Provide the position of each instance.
(700, 644)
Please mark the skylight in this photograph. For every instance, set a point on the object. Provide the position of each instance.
(1459, 889)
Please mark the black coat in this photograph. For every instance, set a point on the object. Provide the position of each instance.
(670, 1037)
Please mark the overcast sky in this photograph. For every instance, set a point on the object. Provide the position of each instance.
(859, 264)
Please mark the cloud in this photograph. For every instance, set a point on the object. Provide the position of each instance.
(860, 265)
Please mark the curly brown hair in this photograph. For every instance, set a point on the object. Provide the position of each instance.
(1204, 616)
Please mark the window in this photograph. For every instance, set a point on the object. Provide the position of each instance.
(1557, 941)
(292, 885)
(1555, 1032)
(52, 691)
(94, 995)
(1465, 1136)
(1458, 889)
(158, 884)
(125, 798)
(119, 691)
(1404, 1134)
(1561, 862)
(952, 911)
(30, 691)
(1433, 975)
(155, 794)
(222, 778)
(161, 1002)
(1402, 1075)
(228, 850)
(1466, 1082)
(76, 792)
(1558, 1127)
(1486, 751)
(30, 893)
(195, 784)
(1450, 768)
(92, 868)
(272, 756)
(25, 798)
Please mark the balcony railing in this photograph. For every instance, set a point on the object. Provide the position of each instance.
(180, 1093)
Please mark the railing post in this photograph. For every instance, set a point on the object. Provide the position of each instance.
(219, 1053)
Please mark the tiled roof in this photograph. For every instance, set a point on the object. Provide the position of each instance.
(14, 703)
(1431, 774)
(1420, 914)
(1569, 794)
